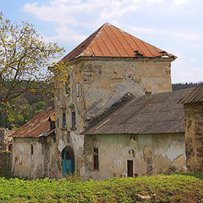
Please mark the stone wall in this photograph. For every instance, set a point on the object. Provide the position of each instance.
(151, 154)
(2, 136)
(194, 136)
(96, 85)
(35, 158)
(5, 164)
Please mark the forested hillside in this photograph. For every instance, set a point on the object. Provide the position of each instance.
(179, 86)
(22, 108)
(19, 110)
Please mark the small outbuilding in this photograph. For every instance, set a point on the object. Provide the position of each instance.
(34, 148)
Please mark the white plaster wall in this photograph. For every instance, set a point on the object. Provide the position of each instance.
(151, 154)
(42, 163)
(24, 164)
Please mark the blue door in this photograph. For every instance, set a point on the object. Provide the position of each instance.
(68, 167)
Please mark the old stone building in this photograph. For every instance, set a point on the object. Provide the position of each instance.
(116, 115)
(193, 106)
(34, 148)
(106, 66)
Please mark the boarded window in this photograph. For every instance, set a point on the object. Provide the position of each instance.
(130, 168)
(96, 159)
(64, 120)
(73, 119)
(32, 150)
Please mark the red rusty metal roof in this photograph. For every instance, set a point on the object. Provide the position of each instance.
(36, 127)
(195, 96)
(110, 41)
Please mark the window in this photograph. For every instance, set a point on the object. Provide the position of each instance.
(32, 149)
(96, 159)
(64, 120)
(73, 119)
(67, 86)
(77, 90)
(10, 146)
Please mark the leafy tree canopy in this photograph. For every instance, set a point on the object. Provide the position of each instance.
(24, 57)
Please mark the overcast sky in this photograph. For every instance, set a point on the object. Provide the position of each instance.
(173, 25)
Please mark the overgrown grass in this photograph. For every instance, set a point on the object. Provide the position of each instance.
(161, 188)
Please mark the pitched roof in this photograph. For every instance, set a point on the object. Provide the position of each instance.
(157, 113)
(110, 41)
(195, 96)
(36, 127)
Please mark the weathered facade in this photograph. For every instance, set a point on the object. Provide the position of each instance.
(100, 75)
(144, 135)
(148, 154)
(193, 106)
(35, 157)
(34, 148)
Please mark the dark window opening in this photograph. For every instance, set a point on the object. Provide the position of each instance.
(130, 168)
(96, 159)
(73, 119)
(64, 120)
(10, 146)
(77, 90)
(32, 149)
(67, 88)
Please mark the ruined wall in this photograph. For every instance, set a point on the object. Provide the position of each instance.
(194, 136)
(5, 164)
(2, 136)
(96, 85)
(40, 163)
(151, 154)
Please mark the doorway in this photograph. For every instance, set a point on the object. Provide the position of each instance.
(68, 163)
(130, 168)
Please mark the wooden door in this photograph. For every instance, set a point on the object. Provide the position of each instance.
(130, 168)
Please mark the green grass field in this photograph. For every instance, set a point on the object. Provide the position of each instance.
(161, 188)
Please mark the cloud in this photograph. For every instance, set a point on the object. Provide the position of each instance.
(173, 24)
(188, 36)
(85, 13)
(180, 2)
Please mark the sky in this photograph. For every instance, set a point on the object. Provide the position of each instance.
(175, 26)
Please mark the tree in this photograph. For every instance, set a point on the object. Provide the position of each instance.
(24, 57)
